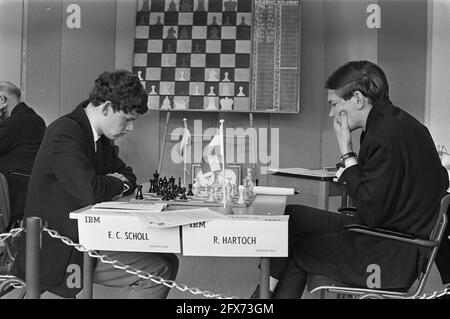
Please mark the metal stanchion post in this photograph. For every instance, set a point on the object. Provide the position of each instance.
(33, 250)
(264, 278)
(88, 268)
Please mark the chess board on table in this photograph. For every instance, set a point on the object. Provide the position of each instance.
(195, 54)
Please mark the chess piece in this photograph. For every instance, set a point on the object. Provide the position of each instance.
(211, 198)
(184, 34)
(172, 6)
(243, 23)
(196, 91)
(190, 193)
(241, 200)
(234, 191)
(201, 6)
(250, 184)
(145, 6)
(212, 77)
(226, 79)
(246, 197)
(197, 48)
(211, 103)
(166, 103)
(140, 76)
(183, 63)
(181, 78)
(230, 5)
(211, 91)
(228, 192)
(181, 102)
(214, 22)
(213, 34)
(183, 194)
(227, 21)
(171, 33)
(158, 20)
(226, 104)
(168, 49)
(186, 5)
(153, 91)
(139, 192)
(241, 91)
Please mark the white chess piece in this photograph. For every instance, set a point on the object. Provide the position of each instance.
(140, 76)
(166, 103)
(211, 103)
(182, 76)
(212, 75)
(211, 91)
(241, 91)
(196, 91)
(241, 200)
(153, 91)
(226, 104)
(226, 79)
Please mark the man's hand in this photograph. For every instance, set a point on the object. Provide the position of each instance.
(3, 106)
(123, 179)
(342, 131)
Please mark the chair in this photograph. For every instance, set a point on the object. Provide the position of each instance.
(7, 282)
(323, 284)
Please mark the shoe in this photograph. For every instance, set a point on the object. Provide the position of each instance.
(256, 294)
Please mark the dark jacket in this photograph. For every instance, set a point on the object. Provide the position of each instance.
(20, 137)
(397, 185)
(68, 174)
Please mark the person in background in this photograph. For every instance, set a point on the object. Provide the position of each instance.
(21, 133)
(77, 166)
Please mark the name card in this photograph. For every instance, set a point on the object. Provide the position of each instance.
(238, 236)
(122, 231)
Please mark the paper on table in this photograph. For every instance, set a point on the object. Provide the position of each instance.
(129, 206)
(177, 217)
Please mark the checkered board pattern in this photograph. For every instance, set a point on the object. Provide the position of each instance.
(195, 54)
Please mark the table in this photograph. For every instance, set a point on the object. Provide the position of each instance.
(262, 208)
(316, 181)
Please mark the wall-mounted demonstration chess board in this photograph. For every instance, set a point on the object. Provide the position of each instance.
(200, 54)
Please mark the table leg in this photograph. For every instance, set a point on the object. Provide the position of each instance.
(264, 278)
(88, 268)
(324, 192)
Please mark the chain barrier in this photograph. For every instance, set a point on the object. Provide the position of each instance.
(131, 270)
(161, 281)
(12, 233)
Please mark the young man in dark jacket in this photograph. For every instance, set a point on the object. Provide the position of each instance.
(77, 166)
(396, 183)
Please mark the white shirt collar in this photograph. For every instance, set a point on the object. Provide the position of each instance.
(95, 134)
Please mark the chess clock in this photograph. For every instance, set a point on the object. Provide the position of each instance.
(230, 176)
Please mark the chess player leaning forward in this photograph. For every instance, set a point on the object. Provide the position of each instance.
(77, 166)
(396, 183)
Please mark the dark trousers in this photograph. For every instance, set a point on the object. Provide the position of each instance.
(304, 223)
(443, 255)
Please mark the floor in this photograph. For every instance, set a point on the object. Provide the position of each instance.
(233, 277)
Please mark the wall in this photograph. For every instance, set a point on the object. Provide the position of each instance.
(438, 92)
(62, 64)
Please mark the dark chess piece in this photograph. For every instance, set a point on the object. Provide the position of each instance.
(151, 190)
(183, 194)
(256, 182)
(139, 192)
(156, 175)
(190, 193)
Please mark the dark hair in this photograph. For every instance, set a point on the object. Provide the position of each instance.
(123, 89)
(363, 76)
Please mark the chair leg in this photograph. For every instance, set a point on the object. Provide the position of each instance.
(322, 294)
